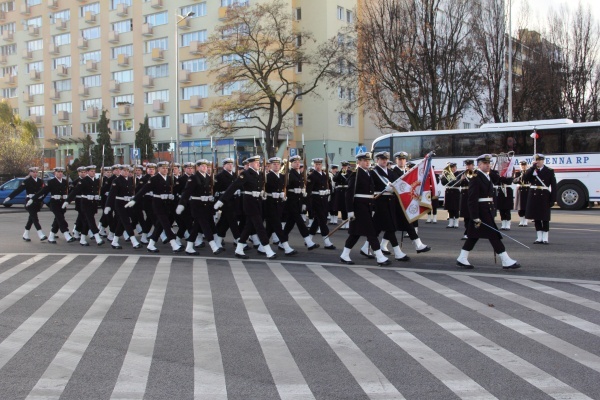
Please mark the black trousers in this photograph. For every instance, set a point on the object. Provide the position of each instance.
(161, 222)
(521, 213)
(319, 207)
(33, 215)
(88, 210)
(273, 219)
(353, 239)
(295, 218)
(228, 221)
(453, 213)
(542, 225)
(390, 236)
(59, 221)
(504, 215)
(254, 223)
(496, 244)
(203, 221)
(149, 220)
(122, 214)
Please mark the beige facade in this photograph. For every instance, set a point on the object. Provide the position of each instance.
(63, 61)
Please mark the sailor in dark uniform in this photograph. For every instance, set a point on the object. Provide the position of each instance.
(432, 215)
(32, 184)
(79, 221)
(57, 187)
(250, 183)
(333, 211)
(481, 210)
(159, 186)
(541, 196)
(452, 196)
(461, 184)
(146, 202)
(137, 213)
(360, 205)
(229, 211)
(318, 189)
(105, 182)
(504, 197)
(341, 184)
(274, 205)
(120, 193)
(522, 193)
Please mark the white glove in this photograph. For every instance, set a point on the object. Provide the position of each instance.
(389, 188)
(284, 198)
(303, 207)
(179, 209)
(130, 204)
(477, 222)
(6, 200)
(303, 192)
(351, 215)
(106, 210)
(218, 205)
(65, 204)
(29, 202)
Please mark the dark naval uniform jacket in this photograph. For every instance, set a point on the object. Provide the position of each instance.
(386, 206)
(541, 196)
(161, 189)
(87, 190)
(274, 189)
(121, 190)
(318, 189)
(359, 199)
(295, 196)
(481, 205)
(197, 195)
(250, 183)
(223, 180)
(31, 187)
(57, 190)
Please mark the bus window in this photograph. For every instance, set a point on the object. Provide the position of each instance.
(409, 144)
(470, 144)
(549, 142)
(383, 145)
(583, 140)
(504, 142)
(441, 144)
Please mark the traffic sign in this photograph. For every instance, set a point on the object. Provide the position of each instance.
(293, 151)
(135, 153)
(360, 149)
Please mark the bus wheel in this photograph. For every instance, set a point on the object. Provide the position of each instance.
(571, 197)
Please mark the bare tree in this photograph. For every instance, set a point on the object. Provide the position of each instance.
(415, 63)
(254, 53)
(17, 152)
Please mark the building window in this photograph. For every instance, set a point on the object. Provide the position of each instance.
(36, 110)
(59, 40)
(161, 43)
(161, 18)
(123, 76)
(9, 93)
(8, 49)
(199, 36)
(156, 95)
(7, 6)
(127, 50)
(122, 125)
(35, 66)
(62, 85)
(158, 122)
(158, 71)
(10, 27)
(122, 26)
(298, 14)
(91, 33)
(63, 107)
(33, 2)
(89, 128)
(126, 98)
(349, 16)
(299, 67)
(299, 119)
(232, 87)
(200, 90)
(94, 8)
(91, 81)
(195, 119)
(91, 103)
(227, 3)
(199, 10)
(40, 132)
(196, 65)
(466, 125)
(66, 61)
(346, 119)
(92, 55)
(34, 45)
(340, 13)
(37, 21)
(63, 130)
(36, 89)
(115, 3)
(64, 15)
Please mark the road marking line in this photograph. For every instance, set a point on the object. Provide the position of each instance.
(6, 257)
(133, 378)
(20, 336)
(209, 375)
(33, 283)
(54, 380)
(367, 375)
(543, 309)
(560, 346)
(582, 301)
(518, 366)
(20, 267)
(288, 379)
(593, 287)
(456, 380)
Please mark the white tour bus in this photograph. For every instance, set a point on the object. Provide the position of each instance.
(571, 149)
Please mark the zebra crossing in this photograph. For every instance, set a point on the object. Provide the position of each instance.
(160, 327)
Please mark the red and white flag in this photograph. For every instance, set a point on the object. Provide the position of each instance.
(415, 188)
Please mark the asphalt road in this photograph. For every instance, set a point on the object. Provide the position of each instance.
(95, 323)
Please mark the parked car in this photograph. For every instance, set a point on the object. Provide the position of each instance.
(21, 198)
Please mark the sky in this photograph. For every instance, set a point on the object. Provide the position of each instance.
(540, 8)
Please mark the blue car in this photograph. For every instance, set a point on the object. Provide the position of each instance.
(11, 185)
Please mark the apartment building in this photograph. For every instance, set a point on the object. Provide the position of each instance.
(63, 61)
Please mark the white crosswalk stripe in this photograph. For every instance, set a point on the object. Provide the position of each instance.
(275, 299)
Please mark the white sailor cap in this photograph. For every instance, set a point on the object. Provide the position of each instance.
(59, 169)
(364, 156)
(33, 169)
(203, 161)
(227, 161)
(116, 166)
(401, 154)
(295, 158)
(80, 169)
(345, 163)
(162, 164)
(334, 166)
(539, 156)
(106, 169)
(90, 167)
(484, 158)
(382, 154)
(188, 164)
(139, 167)
(151, 165)
(252, 159)
(177, 165)
(317, 161)
(274, 160)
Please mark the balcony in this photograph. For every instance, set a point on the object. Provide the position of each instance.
(10, 79)
(184, 24)
(54, 94)
(157, 4)
(60, 24)
(84, 91)
(197, 48)
(91, 113)
(3, 59)
(223, 12)
(148, 81)
(62, 70)
(26, 54)
(82, 43)
(91, 66)
(158, 106)
(53, 4)
(2, 16)
(37, 119)
(147, 30)
(27, 98)
(196, 102)
(158, 54)
(25, 9)
(34, 75)
(63, 116)
(53, 49)
(122, 10)
(8, 36)
(113, 37)
(90, 17)
(123, 60)
(114, 86)
(185, 129)
(123, 109)
(185, 76)
(116, 137)
(33, 30)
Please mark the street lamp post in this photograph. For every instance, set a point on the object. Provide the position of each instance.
(510, 61)
(178, 20)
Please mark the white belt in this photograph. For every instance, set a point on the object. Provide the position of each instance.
(485, 199)
(202, 198)
(341, 186)
(238, 192)
(124, 198)
(540, 187)
(383, 193)
(276, 195)
(58, 196)
(29, 196)
(162, 196)
(149, 194)
(296, 190)
(217, 194)
(253, 194)
(106, 193)
(78, 197)
(321, 192)
(364, 196)
(90, 197)
(524, 185)
(458, 188)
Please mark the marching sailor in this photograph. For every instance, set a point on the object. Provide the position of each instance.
(541, 196)
(341, 185)
(481, 211)
(228, 220)
(360, 205)
(451, 196)
(522, 193)
(79, 221)
(275, 203)
(333, 211)
(318, 191)
(32, 184)
(120, 193)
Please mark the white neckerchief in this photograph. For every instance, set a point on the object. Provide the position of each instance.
(164, 176)
(484, 174)
(60, 180)
(383, 169)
